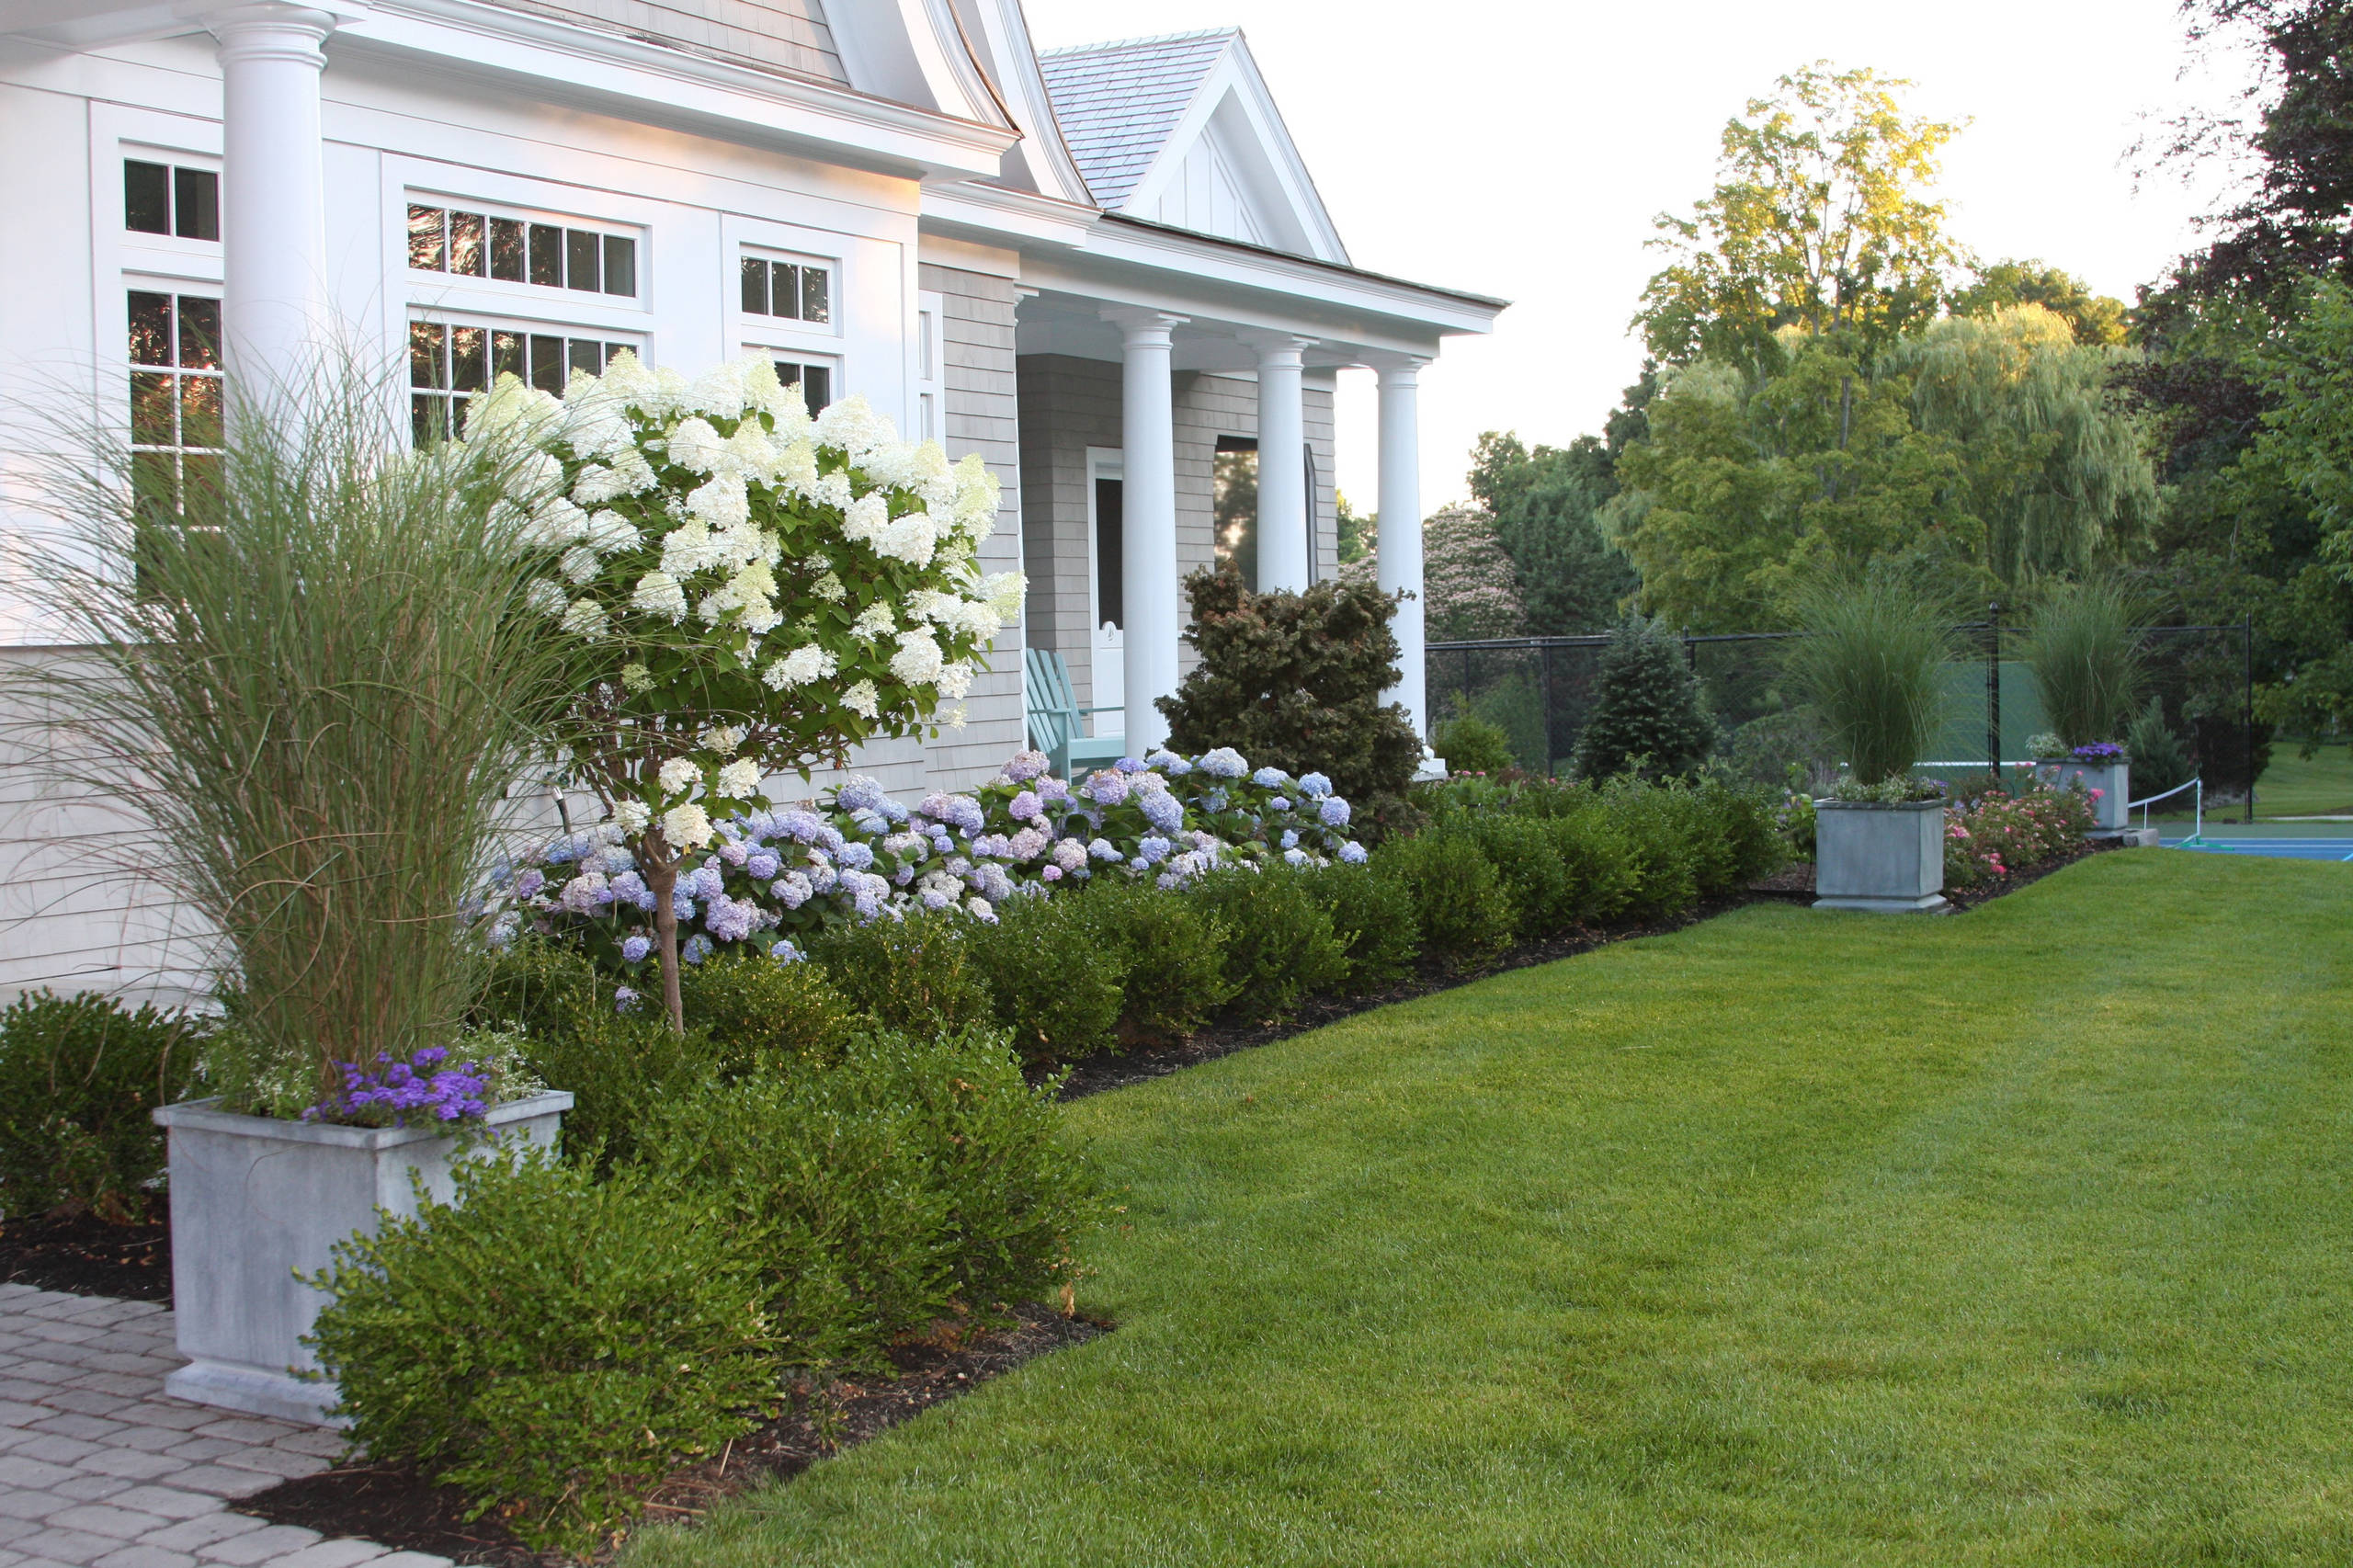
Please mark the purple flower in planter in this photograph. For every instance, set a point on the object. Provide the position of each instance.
(396, 1089)
(2100, 752)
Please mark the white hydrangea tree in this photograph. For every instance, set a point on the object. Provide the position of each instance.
(753, 592)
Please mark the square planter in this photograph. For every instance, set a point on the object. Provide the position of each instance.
(1887, 858)
(2112, 780)
(256, 1201)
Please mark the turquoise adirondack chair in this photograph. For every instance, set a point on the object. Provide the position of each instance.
(1058, 725)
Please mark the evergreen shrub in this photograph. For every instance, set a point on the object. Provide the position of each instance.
(1055, 985)
(1279, 943)
(78, 1078)
(1461, 904)
(2160, 762)
(552, 1344)
(1648, 710)
(1293, 681)
(914, 973)
(756, 1010)
(1526, 858)
(1173, 950)
(1373, 920)
(1597, 862)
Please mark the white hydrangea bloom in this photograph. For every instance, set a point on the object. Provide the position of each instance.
(597, 484)
(554, 524)
(833, 490)
(795, 469)
(580, 563)
(686, 826)
(830, 588)
(751, 452)
(799, 667)
(513, 410)
(658, 593)
(863, 700)
(609, 534)
(852, 426)
(636, 678)
(874, 624)
(917, 661)
(631, 816)
(720, 390)
(740, 780)
(635, 473)
(953, 718)
(695, 445)
(955, 678)
(910, 539)
(688, 549)
(586, 617)
(865, 518)
(678, 775)
(547, 596)
(1002, 592)
(723, 737)
(627, 382)
(723, 502)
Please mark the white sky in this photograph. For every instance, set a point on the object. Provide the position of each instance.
(1520, 148)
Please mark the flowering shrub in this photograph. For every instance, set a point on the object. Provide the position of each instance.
(2001, 833)
(752, 591)
(2100, 753)
(773, 878)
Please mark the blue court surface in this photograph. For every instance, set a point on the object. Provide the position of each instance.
(2280, 847)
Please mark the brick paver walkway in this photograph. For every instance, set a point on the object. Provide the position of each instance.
(98, 1470)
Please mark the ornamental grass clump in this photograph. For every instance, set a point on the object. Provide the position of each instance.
(1872, 665)
(2085, 651)
(311, 690)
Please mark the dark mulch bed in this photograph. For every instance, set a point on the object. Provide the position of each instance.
(86, 1257)
(1970, 898)
(393, 1505)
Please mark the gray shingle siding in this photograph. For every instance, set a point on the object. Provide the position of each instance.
(770, 35)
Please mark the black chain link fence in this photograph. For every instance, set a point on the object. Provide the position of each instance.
(2201, 690)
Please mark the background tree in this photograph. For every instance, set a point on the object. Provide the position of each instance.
(2096, 319)
(1648, 710)
(1358, 531)
(1546, 505)
(1470, 587)
(1817, 221)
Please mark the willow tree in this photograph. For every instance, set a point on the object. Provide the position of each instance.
(2051, 473)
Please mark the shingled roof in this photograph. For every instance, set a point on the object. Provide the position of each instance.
(1118, 102)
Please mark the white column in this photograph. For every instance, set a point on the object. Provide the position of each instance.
(273, 197)
(1401, 528)
(1148, 495)
(1283, 540)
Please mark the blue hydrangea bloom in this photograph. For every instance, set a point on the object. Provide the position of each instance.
(858, 857)
(1334, 811)
(1277, 804)
(1295, 856)
(1163, 810)
(1269, 777)
(1129, 764)
(785, 952)
(634, 949)
(861, 794)
(1291, 838)
(1153, 851)
(1101, 849)
(697, 948)
(1314, 786)
(1169, 762)
(1223, 763)
(1352, 853)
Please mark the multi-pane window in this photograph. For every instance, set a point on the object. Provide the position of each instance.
(515, 250)
(815, 381)
(175, 344)
(791, 290)
(165, 198)
(448, 364)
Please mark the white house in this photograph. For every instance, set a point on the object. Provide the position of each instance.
(1105, 268)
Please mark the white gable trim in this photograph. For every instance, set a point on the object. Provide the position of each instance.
(1234, 114)
(1042, 152)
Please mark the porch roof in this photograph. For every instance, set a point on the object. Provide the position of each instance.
(1118, 102)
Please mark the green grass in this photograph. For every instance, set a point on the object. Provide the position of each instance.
(2015, 1238)
(2297, 785)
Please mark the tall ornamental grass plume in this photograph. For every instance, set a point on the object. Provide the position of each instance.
(310, 684)
(2085, 651)
(1872, 665)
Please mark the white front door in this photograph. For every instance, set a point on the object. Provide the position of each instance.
(1105, 520)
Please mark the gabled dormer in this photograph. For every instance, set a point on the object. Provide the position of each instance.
(1182, 130)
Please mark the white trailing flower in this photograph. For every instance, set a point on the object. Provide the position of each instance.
(740, 780)
(863, 700)
(955, 678)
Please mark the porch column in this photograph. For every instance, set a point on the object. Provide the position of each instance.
(1401, 526)
(273, 197)
(1148, 541)
(1283, 544)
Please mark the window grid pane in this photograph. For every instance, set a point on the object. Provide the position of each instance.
(621, 264)
(196, 201)
(506, 249)
(175, 402)
(547, 255)
(147, 198)
(584, 265)
(815, 305)
(467, 255)
(428, 248)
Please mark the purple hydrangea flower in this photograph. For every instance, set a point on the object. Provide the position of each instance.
(1334, 811)
(697, 949)
(1352, 853)
(1025, 807)
(1291, 838)
(732, 920)
(1163, 810)
(1277, 804)
(857, 856)
(802, 827)
(859, 794)
(624, 999)
(1026, 765)
(1223, 763)
(1129, 764)
(791, 889)
(587, 893)
(1101, 849)
(1053, 789)
(529, 882)
(785, 952)
(733, 852)
(1107, 788)
(629, 888)
(1152, 850)
(763, 864)
(634, 949)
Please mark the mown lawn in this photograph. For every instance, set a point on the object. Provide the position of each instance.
(2024, 1236)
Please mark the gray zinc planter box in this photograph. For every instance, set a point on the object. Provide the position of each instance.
(2113, 780)
(256, 1199)
(1890, 858)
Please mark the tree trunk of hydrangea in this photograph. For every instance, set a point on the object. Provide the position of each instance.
(661, 870)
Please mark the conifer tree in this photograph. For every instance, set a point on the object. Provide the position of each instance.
(1648, 712)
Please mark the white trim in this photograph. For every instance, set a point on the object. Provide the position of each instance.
(928, 374)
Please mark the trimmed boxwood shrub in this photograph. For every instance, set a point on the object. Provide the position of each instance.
(78, 1078)
(551, 1343)
(1524, 854)
(1597, 862)
(1279, 946)
(757, 1010)
(914, 974)
(1174, 950)
(1055, 985)
(1372, 918)
(1461, 904)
